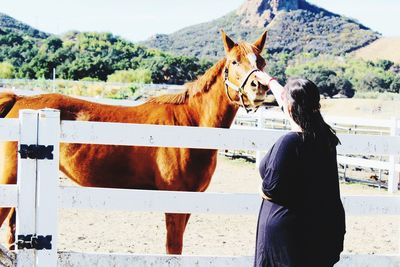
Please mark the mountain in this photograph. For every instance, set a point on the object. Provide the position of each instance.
(383, 48)
(293, 26)
(8, 24)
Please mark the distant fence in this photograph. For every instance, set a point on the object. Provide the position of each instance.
(37, 196)
(88, 88)
(265, 119)
(28, 84)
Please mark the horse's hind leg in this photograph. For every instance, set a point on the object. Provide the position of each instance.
(8, 175)
(4, 212)
(11, 229)
(176, 224)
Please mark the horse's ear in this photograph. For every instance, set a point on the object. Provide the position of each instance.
(260, 43)
(228, 43)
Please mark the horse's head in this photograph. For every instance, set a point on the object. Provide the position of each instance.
(242, 61)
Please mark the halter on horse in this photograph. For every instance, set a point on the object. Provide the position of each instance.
(240, 89)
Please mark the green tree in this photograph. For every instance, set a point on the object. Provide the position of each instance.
(174, 70)
(322, 76)
(6, 70)
(53, 43)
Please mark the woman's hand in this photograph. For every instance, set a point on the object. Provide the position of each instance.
(272, 83)
(263, 77)
(261, 192)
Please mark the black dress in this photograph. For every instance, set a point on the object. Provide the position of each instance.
(304, 224)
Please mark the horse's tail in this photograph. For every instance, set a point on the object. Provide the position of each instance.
(7, 101)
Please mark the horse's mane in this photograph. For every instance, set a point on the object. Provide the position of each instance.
(201, 85)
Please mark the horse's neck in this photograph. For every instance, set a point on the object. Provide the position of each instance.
(213, 107)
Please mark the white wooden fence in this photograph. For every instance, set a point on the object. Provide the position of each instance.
(37, 195)
(352, 124)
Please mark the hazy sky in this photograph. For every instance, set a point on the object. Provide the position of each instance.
(138, 20)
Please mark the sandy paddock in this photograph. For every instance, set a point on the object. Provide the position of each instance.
(138, 232)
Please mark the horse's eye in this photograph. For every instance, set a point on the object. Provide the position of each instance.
(234, 62)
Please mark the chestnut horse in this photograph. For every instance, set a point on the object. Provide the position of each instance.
(210, 101)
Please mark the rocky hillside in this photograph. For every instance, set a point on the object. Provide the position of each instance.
(8, 24)
(293, 25)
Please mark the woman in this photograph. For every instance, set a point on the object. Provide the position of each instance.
(301, 220)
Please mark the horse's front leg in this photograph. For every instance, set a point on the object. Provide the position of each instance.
(176, 224)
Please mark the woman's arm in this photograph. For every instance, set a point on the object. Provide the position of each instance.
(262, 194)
(277, 90)
(277, 169)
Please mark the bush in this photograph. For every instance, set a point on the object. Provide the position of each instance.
(344, 87)
(131, 76)
(372, 82)
(395, 69)
(384, 64)
(6, 70)
(395, 86)
(90, 79)
(376, 95)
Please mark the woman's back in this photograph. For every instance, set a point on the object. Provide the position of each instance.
(301, 220)
(301, 179)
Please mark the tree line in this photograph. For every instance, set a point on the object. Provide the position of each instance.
(105, 57)
(337, 74)
(92, 56)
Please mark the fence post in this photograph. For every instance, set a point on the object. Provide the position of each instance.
(393, 178)
(47, 186)
(26, 182)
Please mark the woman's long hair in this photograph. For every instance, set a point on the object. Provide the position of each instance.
(303, 98)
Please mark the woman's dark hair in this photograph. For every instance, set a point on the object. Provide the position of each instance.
(303, 98)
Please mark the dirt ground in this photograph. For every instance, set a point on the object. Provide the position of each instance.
(361, 108)
(138, 232)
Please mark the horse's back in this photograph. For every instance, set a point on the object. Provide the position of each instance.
(68, 106)
(123, 166)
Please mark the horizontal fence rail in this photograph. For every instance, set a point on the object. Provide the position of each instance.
(208, 138)
(9, 129)
(8, 195)
(201, 202)
(268, 114)
(73, 259)
(188, 202)
(195, 137)
(163, 135)
(383, 165)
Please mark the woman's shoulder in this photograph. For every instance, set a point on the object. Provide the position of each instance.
(290, 141)
(290, 138)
